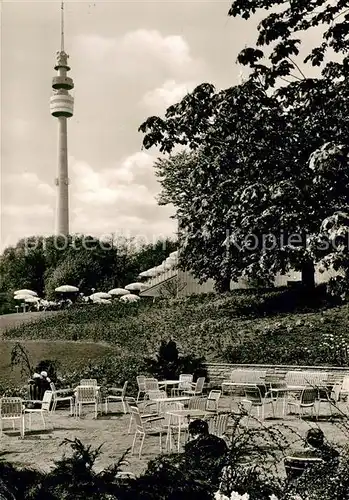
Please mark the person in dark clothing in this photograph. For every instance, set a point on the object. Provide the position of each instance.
(315, 440)
(204, 445)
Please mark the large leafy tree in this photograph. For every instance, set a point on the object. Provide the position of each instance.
(281, 32)
(248, 182)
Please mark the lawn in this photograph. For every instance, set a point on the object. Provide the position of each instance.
(68, 353)
(278, 326)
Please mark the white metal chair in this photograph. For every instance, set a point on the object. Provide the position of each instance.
(86, 395)
(145, 427)
(150, 401)
(197, 388)
(59, 395)
(254, 398)
(141, 386)
(173, 423)
(11, 409)
(88, 381)
(213, 400)
(218, 424)
(44, 410)
(120, 397)
(185, 383)
(197, 403)
(307, 400)
(132, 402)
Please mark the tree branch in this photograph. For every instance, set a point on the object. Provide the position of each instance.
(296, 65)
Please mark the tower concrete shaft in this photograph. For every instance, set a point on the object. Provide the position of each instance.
(62, 107)
(62, 209)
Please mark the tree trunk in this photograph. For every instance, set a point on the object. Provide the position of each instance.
(223, 285)
(308, 275)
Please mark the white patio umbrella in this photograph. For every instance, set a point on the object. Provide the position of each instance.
(22, 296)
(145, 274)
(31, 300)
(150, 273)
(167, 265)
(102, 301)
(171, 260)
(100, 295)
(118, 292)
(66, 289)
(136, 286)
(160, 269)
(26, 292)
(130, 298)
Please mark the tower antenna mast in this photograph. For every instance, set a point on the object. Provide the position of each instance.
(62, 26)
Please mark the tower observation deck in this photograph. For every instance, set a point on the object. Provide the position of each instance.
(62, 107)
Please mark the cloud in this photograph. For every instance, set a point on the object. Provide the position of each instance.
(36, 210)
(145, 52)
(125, 184)
(27, 181)
(121, 199)
(170, 92)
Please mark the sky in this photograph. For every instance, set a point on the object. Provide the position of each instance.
(129, 60)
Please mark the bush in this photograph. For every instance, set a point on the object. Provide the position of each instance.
(168, 365)
(111, 371)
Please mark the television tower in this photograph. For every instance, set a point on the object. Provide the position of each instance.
(62, 107)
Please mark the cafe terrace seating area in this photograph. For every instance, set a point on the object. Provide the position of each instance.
(163, 409)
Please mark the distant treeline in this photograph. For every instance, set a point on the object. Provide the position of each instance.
(42, 264)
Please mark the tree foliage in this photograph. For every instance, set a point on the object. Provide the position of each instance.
(42, 264)
(281, 32)
(258, 163)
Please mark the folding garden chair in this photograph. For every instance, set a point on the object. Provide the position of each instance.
(185, 383)
(44, 410)
(306, 400)
(141, 386)
(197, 388)
(213, 400)
(88, 381)
(254, 398)
(145, 427)
(61, 395)
(118, 396)
(84, 395)
(11, 409)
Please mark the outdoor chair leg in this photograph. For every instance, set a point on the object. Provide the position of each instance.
(134, 442)
(141, 447)
(160, 442)
(168, 443)
(22, 428)
(129, 425)
(106, 405)
(124, 406)
(43, 420)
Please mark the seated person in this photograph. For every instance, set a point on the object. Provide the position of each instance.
(317, 446)
(315, 452)
(202, 444)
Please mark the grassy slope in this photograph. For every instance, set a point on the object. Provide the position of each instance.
(224, 328)
(68, 353)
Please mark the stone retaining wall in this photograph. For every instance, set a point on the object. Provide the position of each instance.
(217, 372)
